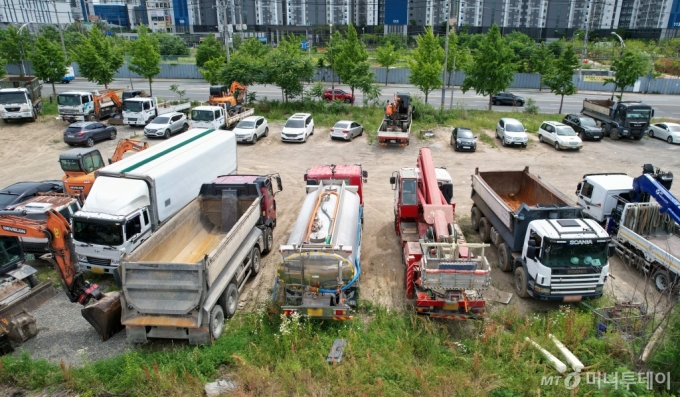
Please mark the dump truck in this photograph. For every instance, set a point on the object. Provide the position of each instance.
(628, 119)
(140, 110)
(134, 197)
(183, 281)
(396, 126)
(20, 98)
(89, 106)
(541, 236)
(218, 116)
(320, 268)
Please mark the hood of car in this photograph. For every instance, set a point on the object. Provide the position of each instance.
(289, 130)
(568, 138)
(516, 134)
(243, 131)
(593, 129)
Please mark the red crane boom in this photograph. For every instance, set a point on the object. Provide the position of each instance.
(436, 211)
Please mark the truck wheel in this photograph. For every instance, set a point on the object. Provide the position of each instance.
(661, 280)
(484, 230)
(614, 134)
(90, 117)
(255, 261)
(32, 280)
(268, 240)
(229, 300)
(474, 218)
(504, 258)
(216, 321)
(521, 282)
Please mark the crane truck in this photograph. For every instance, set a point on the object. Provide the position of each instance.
(645, 232)
(20, 98)
(554, 254)
(183, 281)
(321, 261)
(396, 126)
(619, 119)
(133, 198)
(80, 165)
(88, 106)
(441, 273)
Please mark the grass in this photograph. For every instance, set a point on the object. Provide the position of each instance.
(49, 109)
(388, 353)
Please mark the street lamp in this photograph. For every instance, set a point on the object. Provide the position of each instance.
(623, 45)
(23, 53)
(363, 35)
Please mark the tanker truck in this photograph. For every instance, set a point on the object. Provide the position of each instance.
(320, 270)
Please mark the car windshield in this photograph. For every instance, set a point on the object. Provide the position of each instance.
(674, 128)
(161, 120)
(12, 97)
(588, 122)
(641, 114)
(295, 124)
(7, 199)
(565, 131)
(68, 100)
(512, 127)
(202, 115)
(130, 106)
(70, 165)
(246, 125)
(575, 253)
(97, 233)
(465, 134)
(341, 125)
(10, 250)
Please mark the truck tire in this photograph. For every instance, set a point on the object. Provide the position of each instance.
(268, 240)
(521, 282)
(229, 300)
(614, 134)
(504, 258)
(216, 321)
(90, 117)
(484, 230)
(475, 214)
(661, 280)
(255, 263)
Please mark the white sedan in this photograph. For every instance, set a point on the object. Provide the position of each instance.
(251, 129)
(668, 131)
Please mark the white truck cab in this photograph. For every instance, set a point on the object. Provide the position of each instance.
(208, 117)
(596, 193)
(139, 110)
(74, 105)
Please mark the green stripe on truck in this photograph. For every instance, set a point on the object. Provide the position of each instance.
(166, 151)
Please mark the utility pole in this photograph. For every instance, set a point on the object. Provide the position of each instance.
(446, 53)
(332, 66)
(61, 34)
(453, 82)
(584, 53)
(225, 31)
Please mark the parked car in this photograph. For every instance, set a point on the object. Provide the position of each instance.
(560, 135)
(462, 138)
(506, 98)
(668, 131)
(511, 132)
(346, 130)
(166, 125)
(251, 129)
(585, 126)
(298, 128)
(88, 133)
(22, 191)
(339, 95)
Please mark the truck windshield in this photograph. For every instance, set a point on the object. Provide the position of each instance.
(70, 165)
(7, 98)
(408, 192)
(129, 106)
(91, 232)
(575, 254)
(640, 114)
(202, 115)
(9, 250)
(68, 100)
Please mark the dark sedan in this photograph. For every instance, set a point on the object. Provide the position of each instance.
(585, 127)
(463, 139)
(506, 98)
(22, 191)
(88, 132)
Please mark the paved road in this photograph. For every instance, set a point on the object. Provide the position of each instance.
(664, 105)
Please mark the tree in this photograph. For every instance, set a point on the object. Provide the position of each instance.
(48, 61)
(145, 56)
(386, 55)
(491, 70)
(627, 69)
(11, 45)
(427, 63)
(352, 64)
(560, 77)
(73, 39)
(286, 67)
(211, 69)
(98, 60)
(254, 47)
(243, 68)
(171, 44)
(541, 62)
(3, 72)
(50, 32)
(332, 49)
(210, 48)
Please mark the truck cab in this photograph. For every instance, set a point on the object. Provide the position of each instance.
(597, 193)
(208, 117)
(20, 98)
(73, 105)
(352, 175)
(139, 110)
(77, 164)
(404, 184)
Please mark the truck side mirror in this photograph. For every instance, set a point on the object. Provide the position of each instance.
(110, 162)
(578, 187)
(364, 174)
(652, 112)
(612, 250)
(279, 185)
(393, 180)
(531, 252)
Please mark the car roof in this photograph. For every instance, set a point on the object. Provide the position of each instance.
(173, 114)
(511, 120)
(82, 123)
(463, 128)
(555, 123)
(344, 121)
(252, 118)
(299, 116)
(673, 124)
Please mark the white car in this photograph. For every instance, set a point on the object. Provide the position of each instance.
(668, 131)
(298, 128)
(251, 129)
(559, 135)
(511, 132)
(346, 129)
(166, 125)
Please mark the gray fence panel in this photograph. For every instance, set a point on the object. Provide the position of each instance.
(525, 80)
(664, 86)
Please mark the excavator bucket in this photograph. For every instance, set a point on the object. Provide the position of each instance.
(30, 300)
(104, 315)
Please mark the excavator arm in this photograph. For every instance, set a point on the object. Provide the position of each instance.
(236, 86)
(104, 95)
(126, 145)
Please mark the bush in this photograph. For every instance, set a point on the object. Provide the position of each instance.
(530, 107)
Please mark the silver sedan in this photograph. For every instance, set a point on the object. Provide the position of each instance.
(668, 131)
(346, 129)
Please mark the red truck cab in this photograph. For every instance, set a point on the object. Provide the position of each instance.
(353, 175)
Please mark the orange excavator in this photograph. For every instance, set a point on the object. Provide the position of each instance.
(233, 96)
(105, 314)
(80, 164)
(103, 96)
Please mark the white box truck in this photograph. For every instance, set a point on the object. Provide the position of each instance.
(134, 197)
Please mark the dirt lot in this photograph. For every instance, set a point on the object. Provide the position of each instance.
(30, 152)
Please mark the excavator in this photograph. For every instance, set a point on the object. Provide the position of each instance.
(79, 165)
(103, 96)
(103, 315)
(233, 97)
